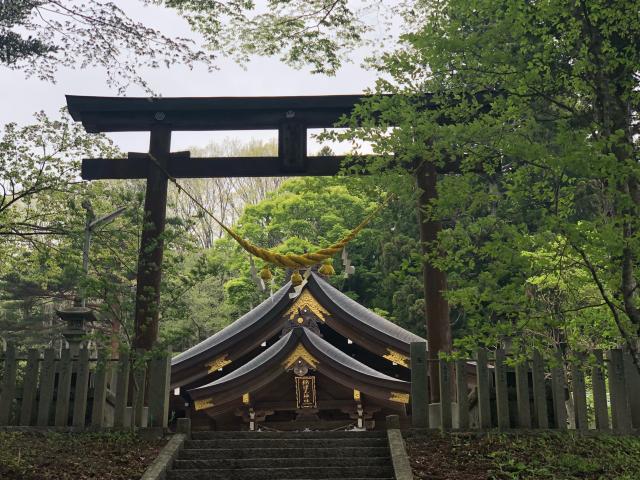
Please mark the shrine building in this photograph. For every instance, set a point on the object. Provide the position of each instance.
(306, 357)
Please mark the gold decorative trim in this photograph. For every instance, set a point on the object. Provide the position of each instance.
(397, 357)
(356, 395)
(399, 397)
(306, 301)
(300, 352)
(218, 363)
(203, 404)
(246, 399)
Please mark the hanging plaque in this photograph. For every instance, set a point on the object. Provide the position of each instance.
(306, 392)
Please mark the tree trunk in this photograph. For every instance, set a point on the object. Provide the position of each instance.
(435, 280)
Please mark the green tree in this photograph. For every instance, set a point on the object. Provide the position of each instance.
(534, 106)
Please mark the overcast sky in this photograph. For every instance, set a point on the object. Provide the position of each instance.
(22, 97)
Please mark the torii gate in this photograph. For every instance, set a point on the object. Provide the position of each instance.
(291, 116)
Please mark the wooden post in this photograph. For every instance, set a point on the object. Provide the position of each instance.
(122, 391)
(81, 390)
(522, 393)
(600, 406)
(139, 379)
(8, 392)
(558, 382)
(632, 380)
(539, 391)
(64, 389)
(435, 280)
(620, 415)
(445, 395)
(484, 405)
(419, 386)
(152, 243)
(30, 387)
(579, 397)
(159, 383)
(100, 389)
(47, 378)
(502, 394)
(462, 395)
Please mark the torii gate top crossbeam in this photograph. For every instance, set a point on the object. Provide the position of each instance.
(131, 114)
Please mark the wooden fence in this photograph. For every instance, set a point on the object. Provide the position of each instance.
(46, 389)
(601, 392)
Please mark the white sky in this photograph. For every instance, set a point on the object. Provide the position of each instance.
(21, 97)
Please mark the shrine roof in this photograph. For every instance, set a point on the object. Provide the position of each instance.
(271, 305)
(338, 302)
(323, 356)
(339, 312)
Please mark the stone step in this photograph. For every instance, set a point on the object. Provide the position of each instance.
(271, 463)
(300, 473)
(208, 435)
(336, 451)
(286, 443)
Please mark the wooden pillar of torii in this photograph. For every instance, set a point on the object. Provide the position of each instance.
(291, 116)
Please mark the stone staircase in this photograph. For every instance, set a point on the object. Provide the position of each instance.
(284, 455)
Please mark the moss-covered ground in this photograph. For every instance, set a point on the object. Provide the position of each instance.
(77, 456)
(519, 457)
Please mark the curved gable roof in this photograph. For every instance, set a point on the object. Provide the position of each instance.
(331, 362)
(340, 304)
(238, 338)
(242, 326)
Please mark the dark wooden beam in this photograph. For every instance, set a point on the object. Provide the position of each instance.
(119, 114)
(180, 165)
(184, 167)
(152, 244)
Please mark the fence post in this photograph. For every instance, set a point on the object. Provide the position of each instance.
(419, 385)
(632, 378)
(502, 395)
(100, 389)
(122, 391)
(462, 395)
(600, 407)
(579, 397)
(522, 393)
(445, 395)
(8, 384)
(139, 387)
(557, 383)
(29, 387)
(159, 383)
(539, 391)
(81, 390)
(64, 389)
(484, 406)
(620, 415)
(47, 379)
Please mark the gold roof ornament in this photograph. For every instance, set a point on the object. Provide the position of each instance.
(300, 353)
(399, 397)
(306, 301)
(397, 357)
(218, 363)
(246, 399)
(356, 395)
(203, 404)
